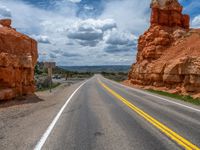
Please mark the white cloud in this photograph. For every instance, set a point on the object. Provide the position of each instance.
(52, 56)
(102, 40)
(90, 32)
(5, 12)
(196, 22)
(87, 7)
(75, 1)
(42, 39)
(116, 37)
(85, 32)
(130, 15)
(102, 24)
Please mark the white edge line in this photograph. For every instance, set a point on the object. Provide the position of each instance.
(140, 91)
(44, 137)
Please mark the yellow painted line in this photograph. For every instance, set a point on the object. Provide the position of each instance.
(164, 129)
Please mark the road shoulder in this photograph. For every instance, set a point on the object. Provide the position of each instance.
(23, 121)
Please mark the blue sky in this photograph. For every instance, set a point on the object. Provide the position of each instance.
(86, 32)
(191, 7)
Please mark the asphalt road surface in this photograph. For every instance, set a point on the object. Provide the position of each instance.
(104, 115)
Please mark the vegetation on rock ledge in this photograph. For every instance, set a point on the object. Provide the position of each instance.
(186, 98)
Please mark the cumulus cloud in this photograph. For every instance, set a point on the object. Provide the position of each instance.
(116, 49)
(120, 38)
(91, 43)
(71, 40)
(42, 39)
(66, 54)
(89, 32)
(130, 15)
(5, 12)
(86, 33)
(119, 42)
(60, 52)
(56, 51)
(52, 56)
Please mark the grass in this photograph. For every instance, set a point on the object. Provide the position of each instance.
(118, 76)
(187, 98)
(54, 85)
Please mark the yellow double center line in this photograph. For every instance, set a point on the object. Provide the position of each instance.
(167, 131)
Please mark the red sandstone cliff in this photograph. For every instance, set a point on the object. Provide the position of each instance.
(168, 52)
(18, 56)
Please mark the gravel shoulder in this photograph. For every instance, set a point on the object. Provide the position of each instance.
(24, 120)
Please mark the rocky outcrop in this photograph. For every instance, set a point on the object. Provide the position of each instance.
(5, 23)
(168, 52)
(168, 13)
(18, 56)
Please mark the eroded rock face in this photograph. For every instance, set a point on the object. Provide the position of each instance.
(5, 23)
(18, 56)
(168, 13)
(168, 52)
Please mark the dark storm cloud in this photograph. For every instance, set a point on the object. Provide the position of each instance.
(57, 51)
(69, 43)
(66, 54)
(85, 35)
(117, 49)
(120, 42)
(51, 55)
(117, 41)
(90, 32)
(91, 43)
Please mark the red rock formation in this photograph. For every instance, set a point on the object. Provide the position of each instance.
(18, 56)
(168, 13)
(6, 22)
(168, 52)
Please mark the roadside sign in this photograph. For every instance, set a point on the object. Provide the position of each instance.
(50, 66)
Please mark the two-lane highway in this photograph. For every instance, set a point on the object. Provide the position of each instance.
(104, 115)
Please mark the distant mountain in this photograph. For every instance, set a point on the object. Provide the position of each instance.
(97, 69)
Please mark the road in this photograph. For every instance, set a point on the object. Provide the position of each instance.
(104, 115)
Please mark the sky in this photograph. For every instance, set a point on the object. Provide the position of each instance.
(86, 32)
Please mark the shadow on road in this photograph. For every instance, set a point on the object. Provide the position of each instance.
(20, 101)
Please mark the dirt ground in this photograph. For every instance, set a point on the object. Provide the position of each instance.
(24, 120)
